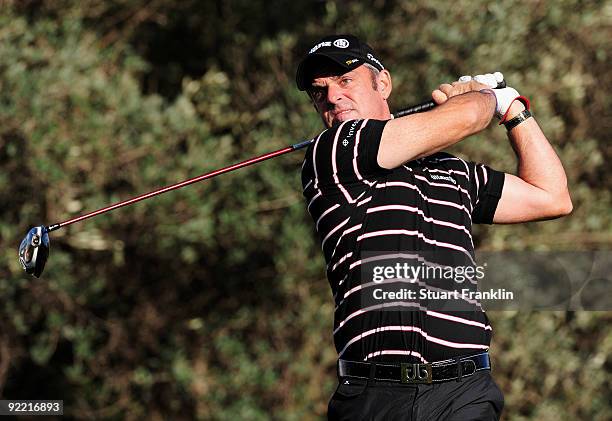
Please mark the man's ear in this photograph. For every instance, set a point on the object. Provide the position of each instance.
(385, 86)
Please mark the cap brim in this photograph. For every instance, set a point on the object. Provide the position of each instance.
(305, 69)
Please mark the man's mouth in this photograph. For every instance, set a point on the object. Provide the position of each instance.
(340, 115)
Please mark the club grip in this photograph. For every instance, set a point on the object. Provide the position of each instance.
(419, 108)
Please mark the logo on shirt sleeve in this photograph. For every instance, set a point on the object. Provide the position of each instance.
(350, 133)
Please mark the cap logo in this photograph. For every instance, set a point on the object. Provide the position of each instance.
(375, 60)
(341, 43)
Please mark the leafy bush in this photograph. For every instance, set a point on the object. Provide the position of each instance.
(211, 302)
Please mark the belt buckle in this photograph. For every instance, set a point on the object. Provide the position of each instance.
(415, 373)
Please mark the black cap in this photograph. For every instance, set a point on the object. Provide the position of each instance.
(345, 50)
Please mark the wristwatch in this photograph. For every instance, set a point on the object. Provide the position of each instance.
(515, 121)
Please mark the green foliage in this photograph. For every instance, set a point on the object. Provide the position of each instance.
(211, 302)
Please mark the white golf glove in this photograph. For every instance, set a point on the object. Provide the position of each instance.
(504, 96)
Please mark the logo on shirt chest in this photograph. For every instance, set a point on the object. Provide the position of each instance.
(443, 177)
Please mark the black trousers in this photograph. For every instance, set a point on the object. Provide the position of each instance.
(473, 398)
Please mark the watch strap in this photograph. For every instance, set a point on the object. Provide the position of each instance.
(518, 119)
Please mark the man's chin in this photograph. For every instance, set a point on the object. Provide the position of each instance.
(346, 117)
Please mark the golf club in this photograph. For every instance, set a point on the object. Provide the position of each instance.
(34, 248)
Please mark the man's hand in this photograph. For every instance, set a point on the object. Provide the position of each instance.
(447, 91)
(507, 106)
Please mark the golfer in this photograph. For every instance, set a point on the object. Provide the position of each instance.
(381, 195)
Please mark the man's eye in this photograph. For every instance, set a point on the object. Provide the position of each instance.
(345, 81)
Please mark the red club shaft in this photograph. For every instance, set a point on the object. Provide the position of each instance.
(176, 186)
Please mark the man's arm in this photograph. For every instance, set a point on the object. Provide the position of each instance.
(463, 111)
(539, 190)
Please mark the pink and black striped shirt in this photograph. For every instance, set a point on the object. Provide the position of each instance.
(364, 213)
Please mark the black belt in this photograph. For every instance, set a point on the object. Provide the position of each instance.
(439, 371)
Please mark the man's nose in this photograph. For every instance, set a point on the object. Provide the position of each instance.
(334, 94)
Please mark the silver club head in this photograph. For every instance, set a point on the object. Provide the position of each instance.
(34, 251)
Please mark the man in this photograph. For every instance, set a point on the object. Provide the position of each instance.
(381, 194)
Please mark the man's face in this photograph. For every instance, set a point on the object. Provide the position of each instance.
(352, 95)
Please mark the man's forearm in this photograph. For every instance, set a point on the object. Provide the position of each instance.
(420, 135)
(538, 163)
(539, 190)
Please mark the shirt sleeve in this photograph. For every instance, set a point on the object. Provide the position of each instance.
(347, 154)
(368, 148)
(486, 189)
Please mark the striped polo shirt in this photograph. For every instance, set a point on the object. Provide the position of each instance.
(421, 212)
